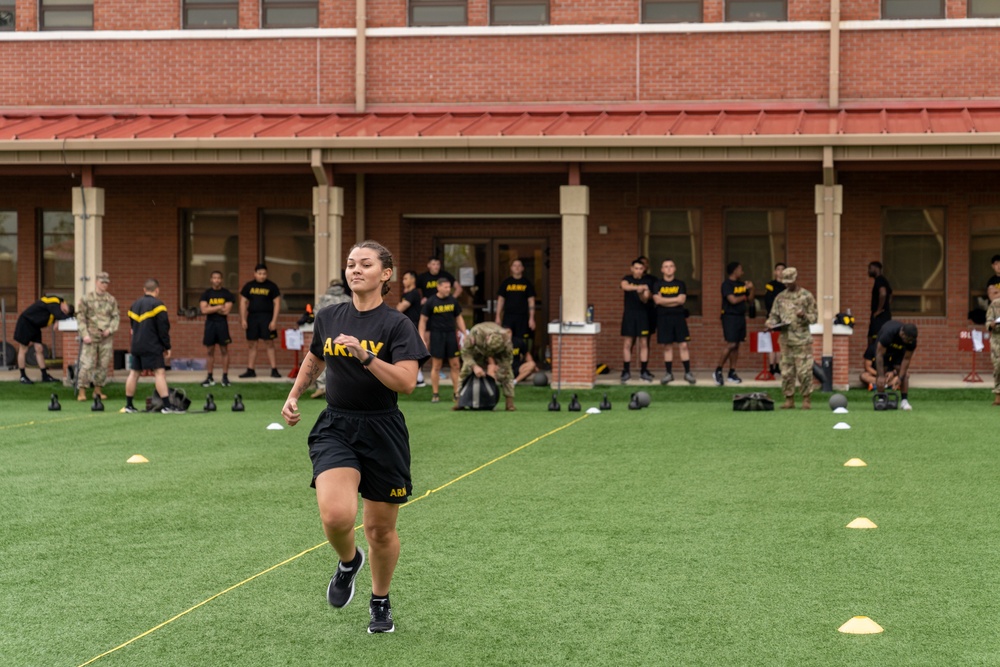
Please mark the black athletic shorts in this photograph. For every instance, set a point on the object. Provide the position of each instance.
(257, 327)
(27, 333)
(672, 330)
(376, 444)
(444, 345)
(217, 333)
(734, 328)
(147, 362)
(876, 324)
(635, 323)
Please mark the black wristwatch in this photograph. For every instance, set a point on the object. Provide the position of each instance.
(369, 360)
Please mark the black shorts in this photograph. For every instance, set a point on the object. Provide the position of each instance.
(257, 327)
(518, 329)
(217, 333)
(376, 444)
(672, 329)
(876, 324)
(734, 328)
(147, 362)
(27, 333)
(444, 344)
(635, 323)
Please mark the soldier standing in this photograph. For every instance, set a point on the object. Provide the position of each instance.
(98, 319)
(793, 311)
(993, 326)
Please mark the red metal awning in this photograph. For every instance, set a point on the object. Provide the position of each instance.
(570, 121)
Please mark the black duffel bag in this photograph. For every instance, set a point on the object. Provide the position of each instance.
(755, 402)
(478, 393)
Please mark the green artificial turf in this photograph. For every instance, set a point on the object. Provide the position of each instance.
(682, 534)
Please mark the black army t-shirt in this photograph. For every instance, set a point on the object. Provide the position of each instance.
(412, 311)
(736, 288)
(428, 282)
(385, 332)
(260, 296)
(218, 297)
(515, 293)
(670, 289)
(441, 313)
(880, 282)
(634, 304)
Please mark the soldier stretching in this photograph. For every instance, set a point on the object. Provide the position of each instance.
(98, 319)
(793, 311)
(488, 350)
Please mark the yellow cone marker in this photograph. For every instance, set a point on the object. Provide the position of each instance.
(861, 522)
(855, 463)
(861, 625)
(137, 458)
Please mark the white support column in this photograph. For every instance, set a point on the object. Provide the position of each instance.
(88, 237)
(328, 211)
(574, 205)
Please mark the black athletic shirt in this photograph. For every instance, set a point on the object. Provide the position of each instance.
(880, 281)
(441, 313)
(384, 331)
(515, 293)
(888, 337)
(428, 282)
(44, 312)
(150, 326)
(771, 290)
(413, 310)
(670, 289)
(633, 304)
(217, 297)
(736, 288)
(261, 297)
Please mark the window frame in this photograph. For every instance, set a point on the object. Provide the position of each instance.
(976, 291)
(520, 3)
(287, 4)
(190, 294)
(309, 290)
(9, 7)
(81, 5)
(696, 237)
(889, 265)
(736, 3)
(464, 4)
(646, 3)
(883, 4)
(187, 5)
(767, 272)
(53, 288)
(9, 292)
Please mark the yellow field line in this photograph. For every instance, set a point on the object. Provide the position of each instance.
(324, 543)
(46, 421)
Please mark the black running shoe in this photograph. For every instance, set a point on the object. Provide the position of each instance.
(733, 378)
(717, 376)
(26, 380)
(646, 376)
(130, 409)
(666, 379)
(626, 376)
(341, 588)
(275, 373)
(208, 382)
(167, 410)
(49, 378)
(251, 373)
(381, 612)
(225, 381)
(690, 378)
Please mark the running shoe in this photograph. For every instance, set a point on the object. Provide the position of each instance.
(435, 398)
(689, 378)
(251, 373)
(717, 376)
(208, 382)
(341, 588)
(49, 378)
(733, 378)
(626, 376)
(275, 373)
(130, 409)
(225, 381)
(905, 405)
(167, 410)
(26, 380)
(381, 613)
(646, 376)
(669, 377)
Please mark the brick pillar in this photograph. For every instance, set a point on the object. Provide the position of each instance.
(574, 354)
(841, 353)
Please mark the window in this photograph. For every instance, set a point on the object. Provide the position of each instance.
(913, 259)
(66, 14)
(8, 260)
(756, 10)
(57, 248)
(290, 13)
(208, 14)
(756, 239)
(211, 243)
(6, 15)
(984, 242)
(912, 9)
(979, 9)
(672, 11)
(438, 12)
(290, 255)
(675, 234)
(519, 12)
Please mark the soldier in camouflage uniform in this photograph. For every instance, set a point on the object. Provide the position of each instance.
(487, 350)
(796, 309)
(992, 313)
(97, 319)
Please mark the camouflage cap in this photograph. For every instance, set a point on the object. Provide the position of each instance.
(789, 275)
(103, 277)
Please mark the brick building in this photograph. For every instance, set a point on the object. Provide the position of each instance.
(168, 138)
